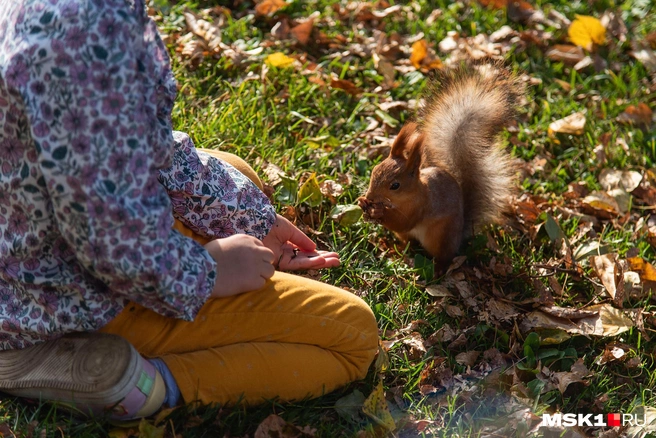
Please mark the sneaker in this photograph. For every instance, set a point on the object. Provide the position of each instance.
(94, 373)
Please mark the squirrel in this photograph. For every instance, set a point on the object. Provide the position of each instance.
(447, 172)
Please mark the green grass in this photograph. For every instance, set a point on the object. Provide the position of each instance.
(265, 120)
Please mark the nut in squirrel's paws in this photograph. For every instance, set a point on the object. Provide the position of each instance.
(371, 211)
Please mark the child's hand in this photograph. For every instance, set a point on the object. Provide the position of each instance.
(293, 250)
(243, 264)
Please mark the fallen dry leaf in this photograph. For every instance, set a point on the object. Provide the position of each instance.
(568, 54)
(612, 353)
(646, 270)
(607, 321)
(6, 432)
(416, 344)
(346, 85)
(419, 52)
(204, 29)
(279, 59)
(609, 271)
(572, 124)
(601, 204)
(468, 358)
(645, 54)
(626, 179)
(501, 311)
(269, 7)
(568, 312)
(303, 31)
(646, 424)
(638, 115)
(375, 407)
(423, 58)
(275, 426)
(578, 374)
(438, 290)
(444, 334)
(586, 31)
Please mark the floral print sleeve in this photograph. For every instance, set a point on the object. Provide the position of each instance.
(213, 198)
(85, 225)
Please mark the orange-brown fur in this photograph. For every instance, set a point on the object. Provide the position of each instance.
(452, 173)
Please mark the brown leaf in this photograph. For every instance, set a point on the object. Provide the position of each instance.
(416, 348)
(303, 31)
(444, 334)
(438, 290)
(609, 271)
(566, 53)
(500, 311)
(274, 426)
(578, 374)
(435, 374)
(453, 311)
(273, 173)
(345, 85)
(608, 321)
(204, 29)
(385, 68)
(612, 353)
(527, 211)
(601, 205)
(638, 115)
(496, 4)
(568, 312)
(281, 29)
(193, 50)
(467, 358)
(458, 342)
(521, 11)
(269, 7)
(6, 432)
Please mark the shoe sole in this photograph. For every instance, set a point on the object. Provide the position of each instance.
(88, 370)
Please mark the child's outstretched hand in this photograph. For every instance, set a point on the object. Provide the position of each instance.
(243, 264)
(293, 250)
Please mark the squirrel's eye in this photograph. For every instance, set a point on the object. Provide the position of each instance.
(395, 186)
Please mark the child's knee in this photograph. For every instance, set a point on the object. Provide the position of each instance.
(238, 163)
(364, 349)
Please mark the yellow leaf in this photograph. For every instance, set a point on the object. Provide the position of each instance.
(375, 406)
(147, 430)
(310, 191)
(279, 59)
(419, 52)
(647, 270)
(122, 432)
(586, 30)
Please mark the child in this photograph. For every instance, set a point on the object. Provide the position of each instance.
(105, 302)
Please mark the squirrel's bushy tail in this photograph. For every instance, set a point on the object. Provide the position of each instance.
(465, 110)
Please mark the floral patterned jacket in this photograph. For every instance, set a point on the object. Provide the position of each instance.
(91, 174)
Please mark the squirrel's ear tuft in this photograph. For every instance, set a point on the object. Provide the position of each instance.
(404, 141)
(408, 146)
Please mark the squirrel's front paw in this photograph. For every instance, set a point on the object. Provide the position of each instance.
(371, 211)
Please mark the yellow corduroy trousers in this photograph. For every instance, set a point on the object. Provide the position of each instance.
(292, 339)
